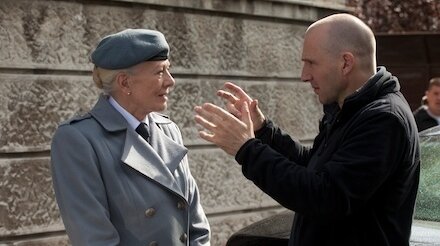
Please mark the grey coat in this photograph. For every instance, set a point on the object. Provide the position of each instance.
(114, 188)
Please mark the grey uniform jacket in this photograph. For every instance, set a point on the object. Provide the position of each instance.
(114, 188)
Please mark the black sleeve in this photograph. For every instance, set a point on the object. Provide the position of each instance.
(282, 143)
(360, 165)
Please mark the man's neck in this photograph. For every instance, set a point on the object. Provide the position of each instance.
(432, 113)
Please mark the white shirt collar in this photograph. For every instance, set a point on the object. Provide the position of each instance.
(132, 121)
(433, 116)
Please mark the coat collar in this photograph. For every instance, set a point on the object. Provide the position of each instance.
(159, 159)
(379, 85)
(112, 120)
(107, 116)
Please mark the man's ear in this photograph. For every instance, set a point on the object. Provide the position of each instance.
(348, 60)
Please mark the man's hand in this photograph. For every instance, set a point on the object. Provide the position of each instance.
(224, 129)
(235, 97)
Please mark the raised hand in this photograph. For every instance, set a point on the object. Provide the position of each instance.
(235, 97)
(224, 129)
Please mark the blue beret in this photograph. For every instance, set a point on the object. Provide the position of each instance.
(130, 47)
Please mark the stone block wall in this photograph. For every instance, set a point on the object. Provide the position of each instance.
(45, 78)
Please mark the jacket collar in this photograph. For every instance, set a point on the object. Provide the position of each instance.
(159, 159)
(379, 85)
(112, 120)
(107, 116)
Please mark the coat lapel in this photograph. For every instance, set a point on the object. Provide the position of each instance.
(139, 155)
(157, 161)
(170, 152)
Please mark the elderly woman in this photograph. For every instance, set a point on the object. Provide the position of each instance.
(120, 172)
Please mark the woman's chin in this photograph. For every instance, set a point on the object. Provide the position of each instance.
(162, 108)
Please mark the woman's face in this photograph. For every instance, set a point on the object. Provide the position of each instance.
(150, 82)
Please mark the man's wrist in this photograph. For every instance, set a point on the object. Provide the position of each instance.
(262, 125)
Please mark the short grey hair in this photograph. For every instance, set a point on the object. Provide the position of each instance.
(105, 78)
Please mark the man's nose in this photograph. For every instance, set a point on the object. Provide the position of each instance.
(305, 76)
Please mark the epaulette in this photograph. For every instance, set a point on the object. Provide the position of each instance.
(160, 118)
(163, 115)
(76, 118)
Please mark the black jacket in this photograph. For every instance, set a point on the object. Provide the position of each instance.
(357, 185)
(423, 119)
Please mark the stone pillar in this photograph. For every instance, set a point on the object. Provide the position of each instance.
(45, 78)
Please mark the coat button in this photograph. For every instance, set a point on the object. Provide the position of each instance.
(153, 243)
(181, 205)
(150, 212)
(183, 238)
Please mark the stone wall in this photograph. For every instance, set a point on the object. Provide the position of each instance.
(45, 78)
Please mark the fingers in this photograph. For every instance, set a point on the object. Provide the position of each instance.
(254, 105)
(257, 116)
(224, 129)
(206, 136)
(246, 116)
(233, 110)
(237, 91)
(205, 119)
(254, 109)
(205, 123)
(214, 119)
(234, 97)
(207, 115)
(232, 104)
(214, 113)
(228, 96)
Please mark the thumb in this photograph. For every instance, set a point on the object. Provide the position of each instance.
(254, 105)
(257, 116)
(255, 110)
(246, 116)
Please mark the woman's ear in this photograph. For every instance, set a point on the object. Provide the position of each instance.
(123, 83)
(349, 61)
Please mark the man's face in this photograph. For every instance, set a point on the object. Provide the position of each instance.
(321, 69)
(433, 98)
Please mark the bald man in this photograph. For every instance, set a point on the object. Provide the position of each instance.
(357, 184)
